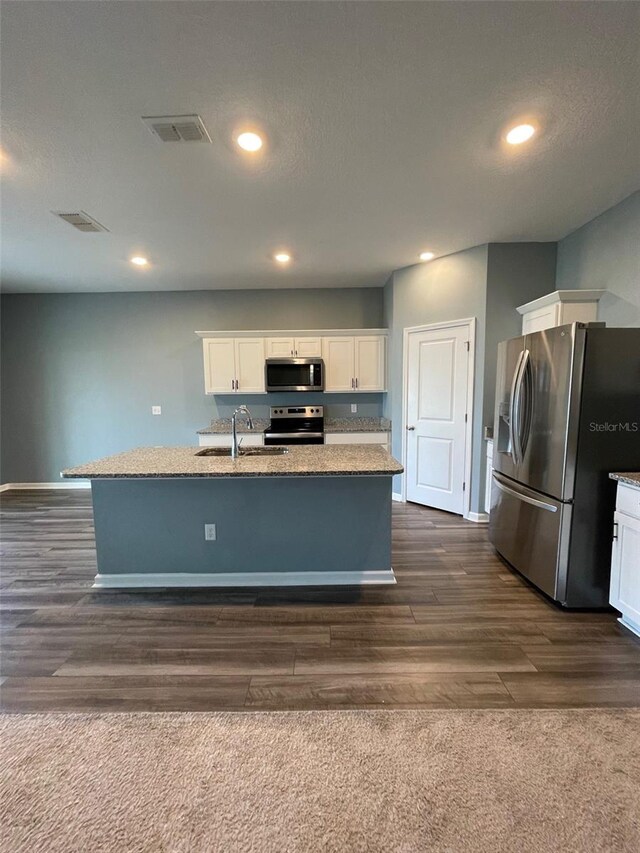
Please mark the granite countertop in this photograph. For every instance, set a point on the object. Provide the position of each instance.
(628, 478)
(222, 426)
(301, 461)
(356, 425)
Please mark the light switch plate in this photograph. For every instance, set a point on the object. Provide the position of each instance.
(156, 410)
(354, 408)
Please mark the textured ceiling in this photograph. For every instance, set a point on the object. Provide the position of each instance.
(383, 123)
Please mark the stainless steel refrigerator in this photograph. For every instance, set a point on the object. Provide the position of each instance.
(567, 413)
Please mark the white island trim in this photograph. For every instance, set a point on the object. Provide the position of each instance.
(244, 579)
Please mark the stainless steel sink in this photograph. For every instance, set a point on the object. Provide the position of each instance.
(243, 451)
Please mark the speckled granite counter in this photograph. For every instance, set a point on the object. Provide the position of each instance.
(628, 478)
(222, 426)
(357, 425)
(348, 460)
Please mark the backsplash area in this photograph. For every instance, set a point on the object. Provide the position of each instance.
(335, 405)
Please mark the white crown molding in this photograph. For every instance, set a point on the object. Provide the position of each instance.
(561, 296)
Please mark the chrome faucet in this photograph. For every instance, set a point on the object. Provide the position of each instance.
(235, 447)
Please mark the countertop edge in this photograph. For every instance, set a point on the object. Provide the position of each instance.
(629, 478)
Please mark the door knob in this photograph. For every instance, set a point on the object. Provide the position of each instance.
(410, 428)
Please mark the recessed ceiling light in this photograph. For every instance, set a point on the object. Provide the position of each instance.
(249, 141)
(282, 257)
(427, 256)
(519, 134)
(139, 261)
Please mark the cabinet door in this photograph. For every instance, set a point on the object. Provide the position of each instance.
(250, 365)
(370, 363)
(338, 355)
(308, 347)
(381, 438)
(540, 319)
(279, 347)
(625, 567)
(219, 365)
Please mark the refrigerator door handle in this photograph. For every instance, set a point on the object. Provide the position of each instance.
(526, 498)
(519, 426)
(512, 406)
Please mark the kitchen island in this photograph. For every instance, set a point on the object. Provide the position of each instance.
(314, 515)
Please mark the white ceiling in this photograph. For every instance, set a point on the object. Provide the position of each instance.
(383, 122)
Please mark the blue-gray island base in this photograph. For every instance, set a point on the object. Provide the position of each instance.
(316, 516)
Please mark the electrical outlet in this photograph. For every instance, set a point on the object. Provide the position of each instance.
(210, 532)
(156, 410)
(354, 408)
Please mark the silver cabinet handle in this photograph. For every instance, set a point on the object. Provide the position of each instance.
(352, 385)
(233, 384)
(356, 381)
(615, 531)
(410, 428)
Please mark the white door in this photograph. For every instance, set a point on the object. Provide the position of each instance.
(250, 365)
(219, 365)
(338, 362)
(370, 363)
(438, 373)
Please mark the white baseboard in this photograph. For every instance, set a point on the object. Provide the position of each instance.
(67, 484)
(396, 496)
(478, 517)
(255, 579)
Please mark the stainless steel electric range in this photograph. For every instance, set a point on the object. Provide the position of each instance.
(295, 425)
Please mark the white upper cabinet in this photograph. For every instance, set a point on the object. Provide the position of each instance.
(370, 363)
(354, 363)
(338, 355)
(307, 347)
(233, 365)
(354, 360)
(559, 308)
(219, 365)
(250, 365)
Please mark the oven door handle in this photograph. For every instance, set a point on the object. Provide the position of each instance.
(294, 435)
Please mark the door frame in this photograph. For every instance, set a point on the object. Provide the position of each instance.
(470, 323)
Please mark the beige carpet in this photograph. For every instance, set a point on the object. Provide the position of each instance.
(322, 781)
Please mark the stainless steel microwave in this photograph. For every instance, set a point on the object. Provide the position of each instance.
(294, 374)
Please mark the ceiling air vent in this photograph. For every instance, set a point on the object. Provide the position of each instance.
(81, 221)
(177, 128)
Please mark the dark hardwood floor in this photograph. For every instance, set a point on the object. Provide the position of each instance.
(460, 630)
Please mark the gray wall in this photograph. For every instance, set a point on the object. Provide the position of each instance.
(516, 274)
(449, 288)
(80, 372)
(605, 254)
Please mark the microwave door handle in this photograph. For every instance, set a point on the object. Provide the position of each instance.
(514, 386)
